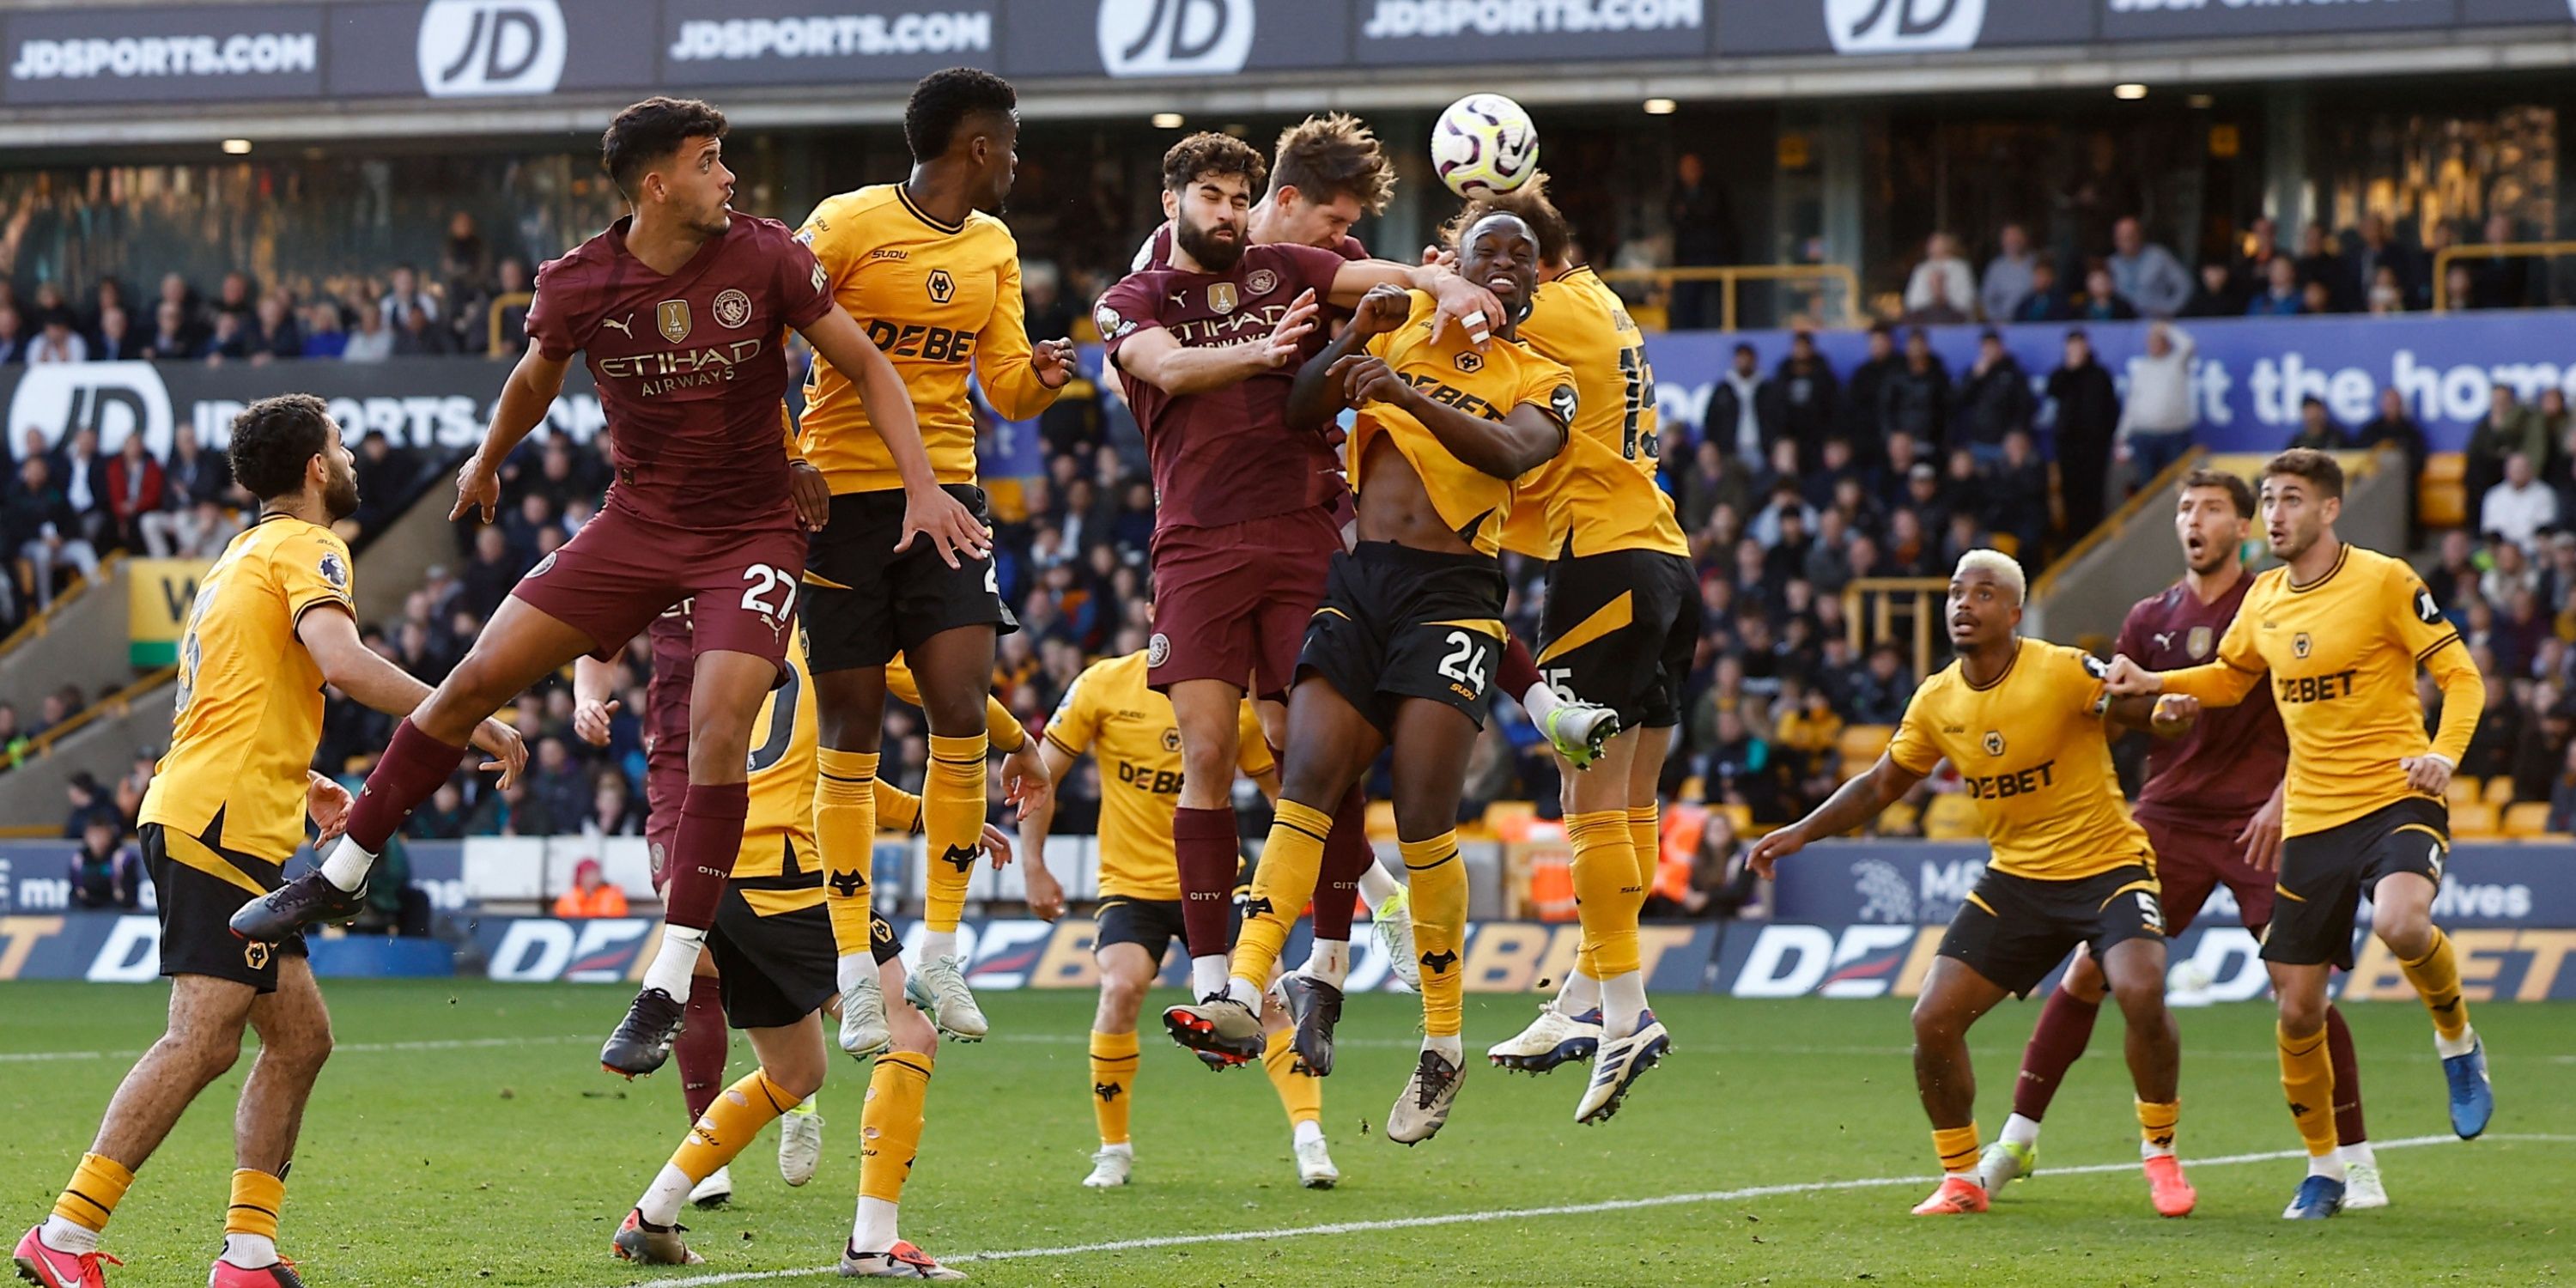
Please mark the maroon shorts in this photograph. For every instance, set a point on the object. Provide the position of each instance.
(1231, 602)
(620, 571)
(2197, 855)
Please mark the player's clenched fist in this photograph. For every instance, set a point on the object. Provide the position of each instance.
(2126, 677)
(1368, 380)
(1383, 309)
(590, 721)
(2427, 774)
(1053, 363)
(2175, 713)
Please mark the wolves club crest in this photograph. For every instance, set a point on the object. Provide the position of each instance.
(2300, 644)
(1994, 742)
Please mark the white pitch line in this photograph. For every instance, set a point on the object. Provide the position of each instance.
(342, 1048)
(1516, 1214)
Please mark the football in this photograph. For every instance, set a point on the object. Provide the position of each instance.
(1484, 144)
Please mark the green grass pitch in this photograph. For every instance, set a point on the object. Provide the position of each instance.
(500, 1154)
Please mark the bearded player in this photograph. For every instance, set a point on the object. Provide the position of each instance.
(1248, 511)
(932, 273)
(2023, 722)
(2212, 809)
(1110, 713)
(2340, 632)
(1400, 655)
(680, 307)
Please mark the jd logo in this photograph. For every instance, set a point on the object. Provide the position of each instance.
(1174, 37)
(1903, 26)
(470, 48)
(114, 398)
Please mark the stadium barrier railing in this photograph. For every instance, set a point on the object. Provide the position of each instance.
(2538, 252)
(1872, 607)
(1835, 294)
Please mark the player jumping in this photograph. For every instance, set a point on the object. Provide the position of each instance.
(1109, 710)
(679, 308)
(2340, 631)
(1621, 625)
(2212, 810)
(1401, 653)
(273, 622)
(2022, 720)
(1247, 512)
(934, 276)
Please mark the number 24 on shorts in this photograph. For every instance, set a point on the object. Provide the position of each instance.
(1465, 661)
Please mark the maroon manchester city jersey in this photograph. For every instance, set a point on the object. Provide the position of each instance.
(1227, 456)
(690, 367)
(2233, 759)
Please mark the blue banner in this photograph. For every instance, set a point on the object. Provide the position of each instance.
(2251, 373)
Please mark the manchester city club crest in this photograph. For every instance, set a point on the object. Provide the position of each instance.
(672, 316)
(2197, 643)
(1221, 296)
(733, 308)
(1994, 742)
(2300, 644)
(1261, 282)
(1158, 650)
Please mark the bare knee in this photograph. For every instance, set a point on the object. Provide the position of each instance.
(2142, 1001)
(2302, 1015)
(1935, 1025)
(209, 1051)
(2407, 931)
(1122, 997)
(909, 1032)
(849, 710)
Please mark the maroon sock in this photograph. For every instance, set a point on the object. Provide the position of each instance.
(2347, 1081)
(701, 1047)
(710, 836)
(413, 766)
(1204, 840)
(2065, 1026)
(1519, 670)
(1347, 854)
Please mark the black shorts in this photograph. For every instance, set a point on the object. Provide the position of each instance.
(774, 970)
(2014, 930)
(1620, 630)
(862, 603)
(2325, 874)
(1400, 623)
(1151, 924)
(199, 887)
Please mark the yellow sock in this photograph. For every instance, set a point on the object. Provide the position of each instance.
(2307, 1078)
(952, 816)
(2436, 977)
(890, 1126)
(256, 1198)
(1439, 881)
(2156, 1125)
(98, 1185)
(845, 829)
(1957, 1147)
(1645, 832)
(897, 810)
(1291, 861)
(1302, 1095)
(737, 1115)
(1113, 1083)
(1606, 894)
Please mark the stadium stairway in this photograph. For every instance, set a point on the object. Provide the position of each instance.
(80, 640)
(2083, 598)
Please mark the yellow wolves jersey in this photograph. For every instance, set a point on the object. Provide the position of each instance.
(1490, 384)
(1109, 710)
(943, 302)
(777, 868)
(2032, 749)
(2342, 654)
(1001, 728)
(250, 698)
(1599, 495)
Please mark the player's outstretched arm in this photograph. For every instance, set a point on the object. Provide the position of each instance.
(1019, 379)
(1852, 804)
(2166, 715)
(330, 635)
(928, 511)
(1318, 396)
(1045, 893)
(1471, 307)
(1157, 357)
(531, 389)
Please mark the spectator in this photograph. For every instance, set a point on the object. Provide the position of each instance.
(559, 782)
(490, 574)
(134, 491)
(2509, 427)
(2280, 296)
(1915, 398)
(1994, 402)
(507, 315)
(590, 895)
(2508, 574)
(2374, 248)
(59, 340)
(2008, 275)
(2016, 494)
(117, 341)
(2316, 298)
(2103, 301)
(2387, 293)
(373, 341)
(1703, 235)
(2156, 424)
(2045, 301)
(172, 338)
(105, 872)
(2145, 272)
(273, 333)
(2545, 740)
(84, 478)
(2320, 265)
(2317, 428)
(192, 473)
(1880, 694)
(2496, 280)
(2455, 572)
(2520, 507)
(235, 297)
(1721, 885)
(417, 333)
(2216, 296)
(2262, 246)
(231, 341)
(89, 802)
(1943, 288)
(2086, 407)
(13, 740)
(2562, 797)
(1805, 391)
(324, 337)
(1736, 408)
(612, 811)
(1860, 407)
(13, 335)
(443, 818)
(42, 528)
(1712, 481)
(404, 295)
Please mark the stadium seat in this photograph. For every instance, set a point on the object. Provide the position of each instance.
(1740, 815)
(1694, 788)
(2473, 821)
(1899, 819)
(2465, 789)
(2527, 820)
(1861, 744)
(1952, 817)
(2442, 495)
(2499, 791)
(1510, 820)
(1551, 888)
